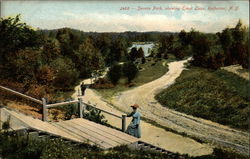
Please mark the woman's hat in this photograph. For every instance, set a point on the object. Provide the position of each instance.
(135, 106)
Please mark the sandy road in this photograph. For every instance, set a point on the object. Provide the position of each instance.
(150, 133)
(151, 109)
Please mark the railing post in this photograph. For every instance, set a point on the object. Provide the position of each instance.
(124, 123)
(80, 107)
(44, 109)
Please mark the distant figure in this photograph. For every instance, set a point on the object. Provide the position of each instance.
(83, 88)
(134, 128)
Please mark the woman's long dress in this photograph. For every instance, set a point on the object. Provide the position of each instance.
(134, 128)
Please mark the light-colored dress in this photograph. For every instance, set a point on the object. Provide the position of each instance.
(134, 128)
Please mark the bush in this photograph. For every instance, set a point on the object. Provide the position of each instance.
(130, 71)
(102, 83)
(95, 115)
(114, 73)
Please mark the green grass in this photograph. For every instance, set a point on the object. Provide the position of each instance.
(219, 96)
(147, 74)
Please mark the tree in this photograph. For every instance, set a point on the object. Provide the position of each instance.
(118, 50)
(183, 36)
(178, 52)
(66, 73)
(23, 65)
(115, 73)
(88, 58)
(45, 75)
(14, 36)
(51, 50)
(201, 46)
(226, 40)
(140, 53)
(133, 53)
(130, 71)
(166, 46)
(103, 43)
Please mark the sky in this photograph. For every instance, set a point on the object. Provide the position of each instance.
(120, 16)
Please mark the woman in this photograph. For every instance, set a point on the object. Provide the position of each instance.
(134, 128)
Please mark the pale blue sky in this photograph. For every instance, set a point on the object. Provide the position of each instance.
(106, 16)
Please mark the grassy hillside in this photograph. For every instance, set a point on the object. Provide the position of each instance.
(157, 66)
(219, 96)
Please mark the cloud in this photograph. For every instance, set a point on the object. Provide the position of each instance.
(99, 22)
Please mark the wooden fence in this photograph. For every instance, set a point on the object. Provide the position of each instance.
(81, 106)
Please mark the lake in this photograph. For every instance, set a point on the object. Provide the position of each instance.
(145, 47)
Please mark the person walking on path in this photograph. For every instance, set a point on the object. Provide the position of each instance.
(134, 128)
(83, 88)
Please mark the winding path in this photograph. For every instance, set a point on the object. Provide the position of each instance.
(151, 109)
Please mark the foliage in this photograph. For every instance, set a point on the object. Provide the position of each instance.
(70, 111)
(216, 50)
(218, 96)
(95, 115)
(66, 74)
(129, 70)
(88, 58)
(102, 83)
(6, 124)
(45, 75)
(133, 53)
(17, 146)
(23, 64)
(115, 73)
(140, 53)
(166, 46)
(15, 35)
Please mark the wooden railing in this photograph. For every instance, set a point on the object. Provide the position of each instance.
(81, 106)
(21, 95)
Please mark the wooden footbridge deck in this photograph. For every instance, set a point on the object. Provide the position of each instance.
(77, 130)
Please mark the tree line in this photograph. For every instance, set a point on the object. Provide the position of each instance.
(47, 61)
(228, 47)
(42, 61)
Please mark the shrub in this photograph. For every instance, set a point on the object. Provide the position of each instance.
(114, 73)
(94, 115)
(130, 71)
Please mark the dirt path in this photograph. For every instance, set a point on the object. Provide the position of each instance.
(238, 70)
(151, 109)
(151, 134)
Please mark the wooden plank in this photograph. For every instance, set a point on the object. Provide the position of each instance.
(40, 125)
(117, 134)
(21, 95)
(102, 110)
(107, 135)
(92, 133)
(80, 138)
(85, 135)
(114, 132)
(60, 104)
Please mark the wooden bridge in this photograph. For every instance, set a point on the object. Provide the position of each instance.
(78, 130)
